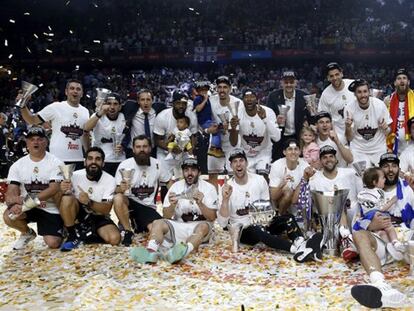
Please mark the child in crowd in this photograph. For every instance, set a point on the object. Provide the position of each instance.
(202, 106)
(372, 201)
(181, 138)
(309, 147)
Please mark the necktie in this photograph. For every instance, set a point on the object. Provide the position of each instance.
(147, 126)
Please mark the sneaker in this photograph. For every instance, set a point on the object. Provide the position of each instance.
(299, 244)
(69, 245)
(215, 152)
(349, 251)
(395, 253)
(127, 239)
(399, 246)
(312, 249)
(24, 239)
(142, 255)
(378, 295)
(176, 253)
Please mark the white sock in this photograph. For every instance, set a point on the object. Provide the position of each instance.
(376, 276)
(190, 248)
(153, 245)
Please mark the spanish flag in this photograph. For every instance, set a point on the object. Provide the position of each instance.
(408, 113)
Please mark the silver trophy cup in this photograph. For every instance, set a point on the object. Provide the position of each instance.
(187, 194)
(283, 110)
(330, 206)
(67, 172)
(116, 141)
(28, 89)
(224, 121)
(127, 175)
(30, 201)
(311, 103)
(261, 212)
(359, 167)
(234, 108)
(101, 96)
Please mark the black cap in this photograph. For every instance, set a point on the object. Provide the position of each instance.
(290, 143)
(409, 123)
(288, 75)
(402, 71)
(388, 157)
(115, 96)
(237, 153)
(327, 149)
(249, 92)
(223, 79)
(36, 131)
(202, 85)
(190, 162)
(357, 83)
(332, 66)
(323, 114)
(179, 96)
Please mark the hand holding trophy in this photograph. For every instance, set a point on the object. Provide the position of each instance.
(30, 201)
(67, 172)
(127, 175)
(27, 90)
(101, 96)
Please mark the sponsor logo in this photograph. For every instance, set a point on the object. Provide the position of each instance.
(253, 140)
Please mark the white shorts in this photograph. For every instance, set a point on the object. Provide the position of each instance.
(372, 159)
(259, 164)
(181, 231)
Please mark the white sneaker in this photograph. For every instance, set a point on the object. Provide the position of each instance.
(298, 244)
(399, 246)
(378, 295)
(24, 240)
(394, 252)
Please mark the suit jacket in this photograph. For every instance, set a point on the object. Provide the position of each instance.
(276, 98)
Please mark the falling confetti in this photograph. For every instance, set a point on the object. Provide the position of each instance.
(12, 21)
(41, 84)
(26, 14)
(49, 51)
(10, 56)
(96, 41)
(36, 36)
(71, 31)
(6, 43)
(28, 49)
(86, 51)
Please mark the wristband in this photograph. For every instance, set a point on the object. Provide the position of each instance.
(98, 115)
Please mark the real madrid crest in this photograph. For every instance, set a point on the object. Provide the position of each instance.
(252, 124)
(343, 97)
(75, 115)
(90, 190)
(35, 170)
(113, 130)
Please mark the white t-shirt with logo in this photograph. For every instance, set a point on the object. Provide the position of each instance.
(255, 189)
(279, 170)
(34, 177)
(98, 191)
(334, 102)
(368, 137)
(187, 209)
(165, 123)
(144, 183)
(67, 129)
(103, 136)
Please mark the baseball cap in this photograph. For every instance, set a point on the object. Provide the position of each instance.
(402, 71)
(357, 83)
(179, 96)
(290, 143)
(332, 66)
(115, 96)
(249, 92)
(237, 153)
(36, 131)
(326, 150)
(323, 114)
(223, 79)
(288, 75)
(388, 157)
(190, 162)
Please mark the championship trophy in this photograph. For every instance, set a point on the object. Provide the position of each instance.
(330, 206)
(359, 167)
(235, 231)
(283, 110)
(30, 201)
(224, 121)
(187, 194)
(311, 103)
(411, 256)
(28, 89)
(234, 109)
(127, 174)
(101, 96)
(67, 172)
(116, 141)
(261, 212)
(169, 89)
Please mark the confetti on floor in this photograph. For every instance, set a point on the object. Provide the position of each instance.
(98, 277)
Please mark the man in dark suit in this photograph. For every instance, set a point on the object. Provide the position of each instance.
(291, 122)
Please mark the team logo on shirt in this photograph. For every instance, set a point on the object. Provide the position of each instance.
(72, 131)
(192, 217)
(343, 97)
(105, 140)
(367, 132)
(113, 130)
(341, 112)
(243, 211)
(35, 170)
(90, 190)
(142, 192)
(253, 140)
(75, 115)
